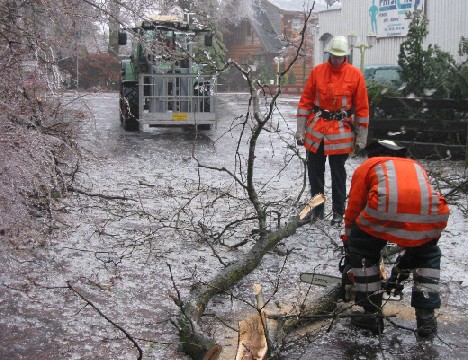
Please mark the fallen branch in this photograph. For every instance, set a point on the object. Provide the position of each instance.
(107, 197)
(128, 336)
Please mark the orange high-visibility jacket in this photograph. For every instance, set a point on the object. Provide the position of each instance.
(392, 199)
(333, 88)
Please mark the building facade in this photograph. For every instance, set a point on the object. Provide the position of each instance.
(386, 18)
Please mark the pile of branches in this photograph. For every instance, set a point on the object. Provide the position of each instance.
(38, 155)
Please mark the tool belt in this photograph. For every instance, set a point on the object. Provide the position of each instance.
(333, 115)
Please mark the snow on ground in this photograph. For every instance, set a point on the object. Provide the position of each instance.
(126, 257)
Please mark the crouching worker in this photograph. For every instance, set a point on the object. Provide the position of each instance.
(391, 199)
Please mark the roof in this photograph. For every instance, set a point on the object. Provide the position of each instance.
(300, 5)
(265, 31)
(165, 18)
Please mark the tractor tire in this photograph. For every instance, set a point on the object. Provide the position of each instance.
(129, 107)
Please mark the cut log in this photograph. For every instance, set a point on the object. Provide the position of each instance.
(281, 321)
(252, 343)
(317, 200)
(257, 289)
(252, 340)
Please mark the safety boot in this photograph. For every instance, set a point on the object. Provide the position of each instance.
(369, 320)
(426, 323)
(337, 219)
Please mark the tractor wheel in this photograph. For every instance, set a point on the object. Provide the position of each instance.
(129, 107)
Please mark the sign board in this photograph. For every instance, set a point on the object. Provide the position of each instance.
(388, 17)
(179, 116)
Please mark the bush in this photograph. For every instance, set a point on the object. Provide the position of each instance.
(100, 70)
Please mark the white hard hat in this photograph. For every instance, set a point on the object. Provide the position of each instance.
(385, 148)
(389, 144)
(338, 46)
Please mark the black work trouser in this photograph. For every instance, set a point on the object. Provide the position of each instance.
(423, 260)
(316, 173)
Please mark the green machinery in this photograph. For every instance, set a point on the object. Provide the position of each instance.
(162, 85)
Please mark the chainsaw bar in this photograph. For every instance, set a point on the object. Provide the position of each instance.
(327, 280)
(319, 279)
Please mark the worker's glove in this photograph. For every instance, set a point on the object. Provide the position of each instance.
(394, 285)
(361, 140)
(300, 133)
(344, 238)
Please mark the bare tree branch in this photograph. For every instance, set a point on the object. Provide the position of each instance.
(127, 335)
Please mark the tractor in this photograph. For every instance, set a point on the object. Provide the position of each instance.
(163, 82)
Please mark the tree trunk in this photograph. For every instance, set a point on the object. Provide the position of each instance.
(466, 147)
(194, 342)
(113, 23)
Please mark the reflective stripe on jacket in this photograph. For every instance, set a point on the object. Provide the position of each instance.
(392, 199)
(333, 88)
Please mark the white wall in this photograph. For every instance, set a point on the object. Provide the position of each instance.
(447, 23)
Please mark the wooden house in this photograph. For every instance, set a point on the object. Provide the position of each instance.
(266, 38)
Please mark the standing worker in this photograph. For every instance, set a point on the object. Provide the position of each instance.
(333, 93)
(391, 199)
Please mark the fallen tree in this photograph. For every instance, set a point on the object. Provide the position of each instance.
(200, 346)
(195, 343)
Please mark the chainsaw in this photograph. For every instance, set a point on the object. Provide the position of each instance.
(349, 287)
